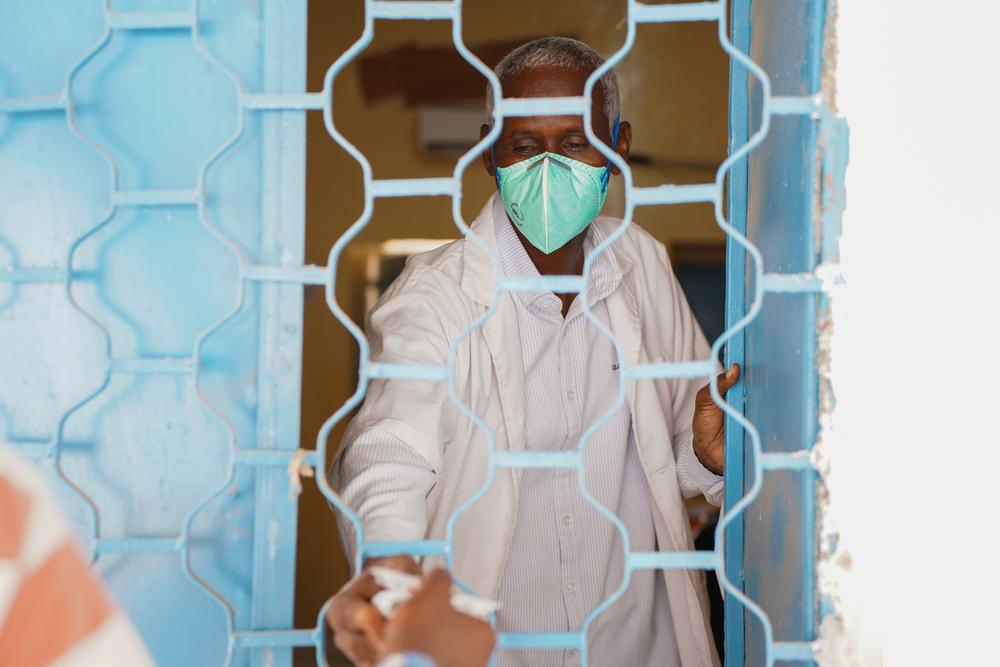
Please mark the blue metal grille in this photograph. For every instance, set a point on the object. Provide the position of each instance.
(812, 106)
(251, 272)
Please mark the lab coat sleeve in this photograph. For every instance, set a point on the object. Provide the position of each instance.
(384, 482)
(693, 477)
(686, 342)
(390, 455)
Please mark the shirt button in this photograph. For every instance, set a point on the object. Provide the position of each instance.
(567, 520)
(571, 587)
(571, 394)
(510, 517)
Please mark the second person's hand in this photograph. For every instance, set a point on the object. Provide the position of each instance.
(428, 624)
(357, 625)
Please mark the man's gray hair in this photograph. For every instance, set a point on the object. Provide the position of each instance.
(557, 52)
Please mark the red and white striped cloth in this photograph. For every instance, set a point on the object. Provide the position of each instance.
(53, 609)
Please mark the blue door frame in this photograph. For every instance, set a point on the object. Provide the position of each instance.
(771, 548)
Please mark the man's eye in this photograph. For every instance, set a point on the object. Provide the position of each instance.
(576, 146)
(524, 150)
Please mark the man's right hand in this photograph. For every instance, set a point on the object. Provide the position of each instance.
(356, 623)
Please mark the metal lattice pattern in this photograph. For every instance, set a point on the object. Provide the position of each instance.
(667, 194)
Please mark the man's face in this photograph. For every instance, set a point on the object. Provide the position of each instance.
(526, 136)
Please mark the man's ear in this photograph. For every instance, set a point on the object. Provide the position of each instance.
(624, 147)
(491, 168)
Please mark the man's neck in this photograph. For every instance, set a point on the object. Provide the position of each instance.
(566, 261)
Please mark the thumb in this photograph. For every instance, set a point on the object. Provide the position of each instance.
(729, 378)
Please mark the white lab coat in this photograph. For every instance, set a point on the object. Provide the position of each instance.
(437, 296)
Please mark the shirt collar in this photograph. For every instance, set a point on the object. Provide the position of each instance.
(605, 271)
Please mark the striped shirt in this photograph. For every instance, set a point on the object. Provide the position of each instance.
(53, 611)
(565, 558)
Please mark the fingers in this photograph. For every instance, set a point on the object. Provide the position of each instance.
(349, 602)
(357, 625)
(352, 605)
(370, 621)
(364, 586)
(356, 646)
(403, 563)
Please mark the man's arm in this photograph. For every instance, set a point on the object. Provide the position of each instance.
(386, 484)
(387, 464)
(699, 443)
(692, 476)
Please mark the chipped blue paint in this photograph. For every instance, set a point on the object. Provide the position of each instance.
(780, 345)
(736, 308)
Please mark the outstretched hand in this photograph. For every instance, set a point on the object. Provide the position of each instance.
(357, 625)
(708, 423)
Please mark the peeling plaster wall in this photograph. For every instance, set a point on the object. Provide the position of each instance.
(779, 378)
(910, 449)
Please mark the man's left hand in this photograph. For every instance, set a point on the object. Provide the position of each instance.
(707, 425)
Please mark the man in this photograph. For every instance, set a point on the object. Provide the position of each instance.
(538, 373)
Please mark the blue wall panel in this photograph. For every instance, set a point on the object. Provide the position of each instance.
(138, 363)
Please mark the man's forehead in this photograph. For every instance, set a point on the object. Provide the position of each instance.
(549, 77)
(545, 81)
(529, 125)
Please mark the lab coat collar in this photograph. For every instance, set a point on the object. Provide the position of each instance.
(478, 280)
(481, 255)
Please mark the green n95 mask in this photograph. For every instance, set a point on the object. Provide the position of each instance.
(551, 198)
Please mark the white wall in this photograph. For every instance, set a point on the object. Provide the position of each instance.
(914, 433)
